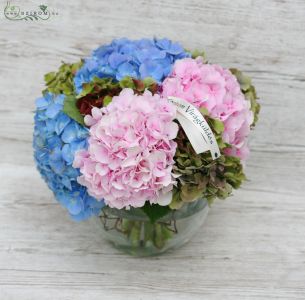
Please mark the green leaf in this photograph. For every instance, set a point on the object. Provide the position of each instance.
(217, 125)
(87, 89)
(155, 211)
(249, 91)
(191, 193)
(134, 235)
(127, 82)
(49, 77)
(61, 82)
(204, 111)
(107, 100)
(161, 235)
(244, 80)
(201, 177)
(72, 111)
(197, 53)
(176, 200)
(148, 81)
(100, 87)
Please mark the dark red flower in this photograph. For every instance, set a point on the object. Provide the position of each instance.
(97, 96)
(86, 103)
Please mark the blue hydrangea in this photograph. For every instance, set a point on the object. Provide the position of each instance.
(138, 59)
(56, 138)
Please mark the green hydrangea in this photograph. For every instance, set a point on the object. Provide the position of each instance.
(249, 91)
(99, 93)
(61, 82)
(199, 176)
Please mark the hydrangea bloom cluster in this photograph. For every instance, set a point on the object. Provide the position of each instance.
(56, 138)
(105, 131)
(216, 89)
(138, 59)
(130, 155)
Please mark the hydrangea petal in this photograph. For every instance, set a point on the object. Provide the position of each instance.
(53, 110)
(123, 57)
(217, 90)
(54, 155)
(61, 122)
(151, 69)
(70, 133)
(126, 69)
(124, 170)
(42, 103)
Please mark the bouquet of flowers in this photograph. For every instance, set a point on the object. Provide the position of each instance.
(142, 134)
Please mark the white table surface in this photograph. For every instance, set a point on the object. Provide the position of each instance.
(252, 245)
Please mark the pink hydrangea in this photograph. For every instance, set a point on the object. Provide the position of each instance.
(130, 154)
(216, 89)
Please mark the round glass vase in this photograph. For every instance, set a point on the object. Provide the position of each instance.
(132, 232)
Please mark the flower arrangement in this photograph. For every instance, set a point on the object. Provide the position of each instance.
(108, 138)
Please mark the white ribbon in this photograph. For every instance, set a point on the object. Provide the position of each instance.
(195, 127)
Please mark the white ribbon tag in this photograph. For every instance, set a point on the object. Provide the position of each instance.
(196, 127)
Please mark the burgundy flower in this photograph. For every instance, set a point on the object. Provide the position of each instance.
(86, 103)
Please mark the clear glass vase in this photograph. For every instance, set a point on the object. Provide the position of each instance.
(132, 232)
